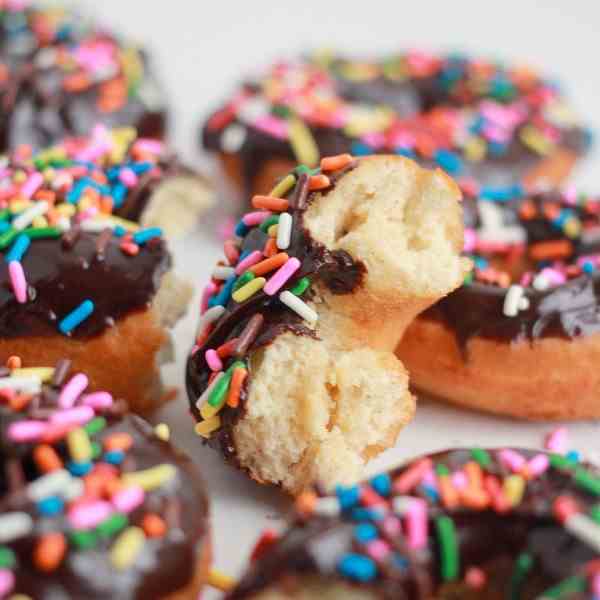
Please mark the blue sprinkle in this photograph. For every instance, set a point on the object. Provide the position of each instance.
(79, 469)
(359, 513)
(118, 193)
(400, 562)
(360, 149)
(140, 168)
(119, 231)
(75, 194)
(481, 263)
(222, 298)
(357, 567)
(430, 492)
(244, 254)
(449, 161)
(4, 226)
(365, 532)
(144, 235)
(497, 149)
(562, 217)
(18, 248)
(588, 267)
(348, 496)
(573, 456)
(501, 194)
(382, 484)
(53, 505)
(114, 457)
(477, 125)
(113, 173)
(402, 151)
(241, 229)
(73, 319)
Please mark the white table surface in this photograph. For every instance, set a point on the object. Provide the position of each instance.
(202, 47)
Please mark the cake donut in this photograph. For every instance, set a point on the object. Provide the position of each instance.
(465, 523)
(94, 502)
(293, 376)
(77, 279)
(60, 74)
(526, 319)
(499, 124)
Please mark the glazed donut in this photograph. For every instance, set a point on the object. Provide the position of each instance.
(293, 376)
(61, 74)
(94, 502)
(464, 523)
(80, 281)
(473, 118)
(526, 319)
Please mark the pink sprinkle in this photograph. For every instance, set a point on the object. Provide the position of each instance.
(459, 480)
(596, 585)
(256, 218)
(378, 550)
(537, 465)
(282, 275)
(430, 479)
(72, 390)
(557, 440)
(208, 291)
(526, 279)
(128, 177)
(97, 400)
(129, 498)
(86, 515)
(392, 525)
(470, 240)
(511, 459)
(88, 213)
(17, 280)
(251, 259)
(27, 431)
(73, 416)
(232, 254)
(95, 150)
(226, 228)
(374, 139)
(555, 277)
(148, 145)
(416, 524)
(570, 195)
(276, 127)
(7, 582)
(32, 184)
(213, 360)
(475, 578)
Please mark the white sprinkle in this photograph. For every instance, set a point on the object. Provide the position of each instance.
(45, 58)
(540, 282)
(210, 316)
(515, 301)
(27, 384)
(252, 109)
(586, 530)
(14, 525)
(233, 138)
(26, 217)
(48, 485)
(204, 396)
(64, 224)
(284, 231)
(73, 489)
(96, 225)
(402, 504)
(223, 273)
(299, 306)
(328, 507)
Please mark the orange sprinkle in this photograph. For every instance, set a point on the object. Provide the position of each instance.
(237, 381)
(553, 249)
(306, 502)
(527, 210)
(447, 492)
(475, 498)
(49, 552)
(226, 349)
(153, 526)
(106, 205)
(77, 82)
(130, 248)
(46, 458)
(318, 182)
(270, 203)
(270, 247)
(494, 489)
(14, 362)
(333, 163)
(267, 539)
(18, 402)
(474, 474)
(269, 264)
(112, 486)
(94, 485)
(48, 195)
(118, 442)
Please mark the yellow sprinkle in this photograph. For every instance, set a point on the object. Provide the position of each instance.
(128, 225)
(253, 286)
(208, 411)
(475, 149)
(534, 139)
(79, 444)
(66, 210)
(121, 139)
(283, 187)
(303, 143)
(126, 548)
(44, 374)
(272, 231)
(20, 597)
(560, 114)
(219, 580)
(20, 177)
(572, 228)
(150, 479)
(163, 432)
(19, 204)
(514, 486)
(40, 222)
(205, 428)
(49, 174)
(359, 71)
(365, 120)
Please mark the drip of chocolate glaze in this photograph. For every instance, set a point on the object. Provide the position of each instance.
(336, 270)
(487, 539)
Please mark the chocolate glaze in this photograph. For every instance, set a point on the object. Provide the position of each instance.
(336, 270)
(39, 111)
(487, 539)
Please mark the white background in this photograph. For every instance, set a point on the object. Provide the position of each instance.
(201, 48)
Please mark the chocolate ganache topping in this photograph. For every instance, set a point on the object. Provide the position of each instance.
(536, 262)
(60, 75)
(94, 503)
(465, 523)
(72, 263)
(474, 118)
(244, 311)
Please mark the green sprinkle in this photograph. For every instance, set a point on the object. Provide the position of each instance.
(4, 214)
(568, 586)
(243, 280)
(561, 462)
(238, 364)
(281, 110)
(96, 449)
(585, 480)
(441, 470)
(301, 286)
(7, 558)
(217, 396)
(112, 525)
(36, 233)
(595, 513)
(481, 456)
(446, 533)
(83, 539)
(95, 425)
(272, 220)
(521, 569)
(7, 237)
(300, 169)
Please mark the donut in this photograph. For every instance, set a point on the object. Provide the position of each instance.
(464, 523)
(293, 377)
(94, 502)
(77, 279)
(60, 74)
(526, 319)
(495, 123)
